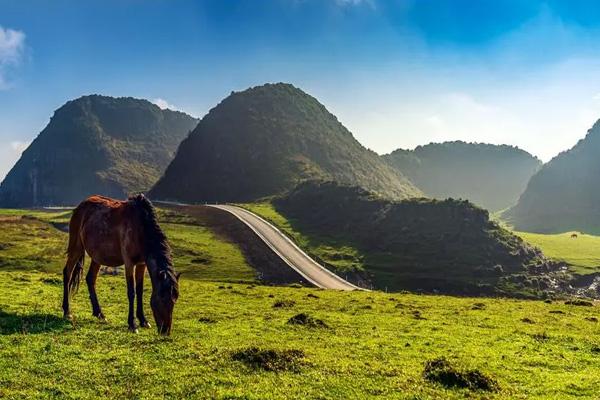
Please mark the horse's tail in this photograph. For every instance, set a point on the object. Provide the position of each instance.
(76, 277)
(74, 248)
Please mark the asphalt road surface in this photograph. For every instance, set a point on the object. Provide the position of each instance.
(288, 251)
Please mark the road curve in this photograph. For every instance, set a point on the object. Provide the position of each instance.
(288, 251)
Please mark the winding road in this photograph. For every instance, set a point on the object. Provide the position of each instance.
(288, 251)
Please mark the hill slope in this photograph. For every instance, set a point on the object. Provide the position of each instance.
(95, 144)
(489, 175)
(263, 141)
(564, 195)
(447, 246)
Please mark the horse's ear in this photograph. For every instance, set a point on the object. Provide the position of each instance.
(177, 275)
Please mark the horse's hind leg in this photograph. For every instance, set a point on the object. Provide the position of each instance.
(140, 269)
(90, 279)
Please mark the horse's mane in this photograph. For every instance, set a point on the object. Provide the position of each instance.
(155, 241)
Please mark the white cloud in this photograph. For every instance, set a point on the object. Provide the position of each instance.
(163, 104)
(12, 45)
(344, 3)
(19, 146)
(9, 154)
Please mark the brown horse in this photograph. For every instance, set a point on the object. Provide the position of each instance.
(114, 233)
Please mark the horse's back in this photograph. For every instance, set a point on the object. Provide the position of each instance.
(101, 222)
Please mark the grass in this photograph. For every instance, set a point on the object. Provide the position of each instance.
(31, 241)
(582, 253)
(231, 342)
(332, 252)
(376, 345)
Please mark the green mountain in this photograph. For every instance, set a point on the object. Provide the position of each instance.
(565, 194)
(265, 140)
(490, 176)
(447, 246)
(95, 145)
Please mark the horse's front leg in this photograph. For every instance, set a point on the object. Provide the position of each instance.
(129, 272)
(140, 269)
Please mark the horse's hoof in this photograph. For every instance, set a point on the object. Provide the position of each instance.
(100, 317)
(133, 329)
(68, 316)
(145, 324)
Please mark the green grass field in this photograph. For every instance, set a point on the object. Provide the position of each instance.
(583, 252)
(374, 345)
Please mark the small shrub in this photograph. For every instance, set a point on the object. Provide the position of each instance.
(284, 304)
(578, 302)
(441, 371)
(270, 360)
(306, 320)
(541, 337)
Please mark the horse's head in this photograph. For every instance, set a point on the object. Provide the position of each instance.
(164, 296)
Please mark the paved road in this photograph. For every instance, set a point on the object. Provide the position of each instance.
(288, 251)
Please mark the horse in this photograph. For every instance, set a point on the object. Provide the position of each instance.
(573, 236)
(113, 233)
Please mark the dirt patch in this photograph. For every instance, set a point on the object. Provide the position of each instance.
(271, 360)
(284, 304)
(443, 372)
(306, 320)
(578, 302)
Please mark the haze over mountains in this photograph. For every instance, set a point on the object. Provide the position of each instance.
(491, 176)
(95, 144)
(565, 194)
(264, 141)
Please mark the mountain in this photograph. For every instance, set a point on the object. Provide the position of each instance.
(95, 144)
(565, 194)
(447, 246)
(490, 176)
(265, 140)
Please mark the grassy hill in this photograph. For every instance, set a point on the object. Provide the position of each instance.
(265, 140)
(95, 145)
(234, 341)
(427, 245)
(563, 196)
(581, 253)
(491, 176)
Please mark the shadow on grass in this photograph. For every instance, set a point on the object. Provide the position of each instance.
(11, 323)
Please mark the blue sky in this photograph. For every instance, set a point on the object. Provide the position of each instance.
(397, 73)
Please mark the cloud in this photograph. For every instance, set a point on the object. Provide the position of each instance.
(346, 3)
(19, 146)
(9, 154)
(12, 46)
(163, 104)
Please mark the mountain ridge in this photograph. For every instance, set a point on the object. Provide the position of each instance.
(263, 141)
(491, 176)
(95, 145)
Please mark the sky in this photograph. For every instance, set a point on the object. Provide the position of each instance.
(397, 73)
